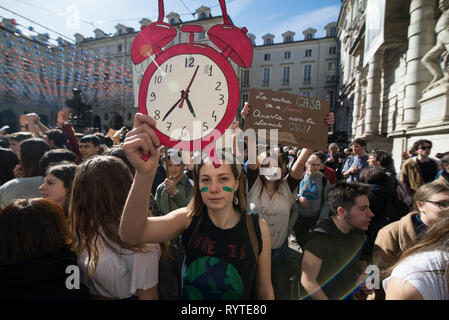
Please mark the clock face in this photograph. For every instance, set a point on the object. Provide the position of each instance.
(193, 94)
(188, 96)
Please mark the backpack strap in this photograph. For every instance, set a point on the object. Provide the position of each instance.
(252, 234)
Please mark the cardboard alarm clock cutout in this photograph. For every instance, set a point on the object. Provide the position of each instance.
(191, 89)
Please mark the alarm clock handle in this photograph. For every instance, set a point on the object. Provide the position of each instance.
(224, 12)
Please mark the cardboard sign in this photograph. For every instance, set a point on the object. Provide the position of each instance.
(298, 119)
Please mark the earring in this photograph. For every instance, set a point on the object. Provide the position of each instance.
(236, 199)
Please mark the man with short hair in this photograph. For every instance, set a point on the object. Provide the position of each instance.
(175, 192)
(421, 169)
(56, 139)
(353, 166)
(331, 263)
(89, 146)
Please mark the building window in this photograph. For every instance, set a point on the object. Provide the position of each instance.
(288, 39)
(287, 55)
(266, 76)
(309, 36)
(119, 48)
(286, 75)
(332, 71)
(333, 32)
(267, 57)
(245, 98)
(203, 15)
(268, 41)
(202, 35)
(245, 77)
(172, 21)
(307, 73)
(308, 52)
(332, 50)
(306, 93)
(330, 96)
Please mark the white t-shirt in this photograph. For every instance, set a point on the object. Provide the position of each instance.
(275, 211)
(120, 276)
(422, 270)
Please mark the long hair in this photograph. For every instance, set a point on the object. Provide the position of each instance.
(8, 161)
(196, 205)
(64, 171)
(98, 196)
(427, 190)
(31, 228)
(31, 152)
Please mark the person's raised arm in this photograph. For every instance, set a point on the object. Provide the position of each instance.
(136, 226)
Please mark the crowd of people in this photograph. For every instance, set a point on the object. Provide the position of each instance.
(177, 226)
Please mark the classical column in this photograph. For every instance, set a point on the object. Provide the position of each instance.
(356, 102)
(420, 40)
(373, 94)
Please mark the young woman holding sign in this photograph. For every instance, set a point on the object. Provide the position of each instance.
(227, 250)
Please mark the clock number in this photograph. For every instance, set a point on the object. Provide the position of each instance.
(190, 62)
(217, 88)
(221, 100)
(214, 116)
(205, 126)
(158, 79)
(157, 114)
(208, 70)
(168, 125)
(183, 132)
(152, 96)
(168, 68)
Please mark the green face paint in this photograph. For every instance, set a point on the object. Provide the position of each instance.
(205, 189)
(227, 189)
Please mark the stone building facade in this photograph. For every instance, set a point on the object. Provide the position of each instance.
(389, 98)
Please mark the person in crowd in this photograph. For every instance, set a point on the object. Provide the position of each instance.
(35, 253)
(383, 201)
(175, 192)
(421, 169)
(27, 186)
(312, 198)
(64, 125)
(422, 273)
(430, 201)
(58, 184)
(227, 251)
(111, 267)
(329, 173)
(56, 139)
(353, 166)
(8, 161)
(272, 193)
(444, 174)
(54, 156)
(334, 159)
(16, 138)
(331, 263)
(89, 146)
(381, 159)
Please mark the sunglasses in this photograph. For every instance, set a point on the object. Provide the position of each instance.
(441, 204)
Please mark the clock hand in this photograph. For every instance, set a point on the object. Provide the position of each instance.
(190, 106)
(171, 109)
(188, 87)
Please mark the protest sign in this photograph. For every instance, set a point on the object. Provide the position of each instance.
(298, 119)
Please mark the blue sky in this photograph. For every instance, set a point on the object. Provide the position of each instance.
(258, 16)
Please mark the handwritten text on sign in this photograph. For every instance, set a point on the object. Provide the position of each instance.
(298, 119)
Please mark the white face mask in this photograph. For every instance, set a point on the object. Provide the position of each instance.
(272, 173)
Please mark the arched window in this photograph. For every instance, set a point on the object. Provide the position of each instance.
(333, 31)
(309, 36)
(203, 15)
(172, 21)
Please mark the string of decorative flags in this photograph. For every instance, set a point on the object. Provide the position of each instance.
(33, 71)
